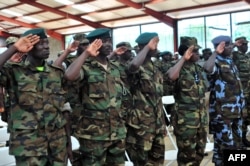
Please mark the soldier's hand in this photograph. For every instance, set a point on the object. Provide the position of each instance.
(220, 48)
(153, 43)
(69, 151)
(26, 43)
(189, 53)
(94, 47)
(238, 42)
(73, 46)
(120, 50)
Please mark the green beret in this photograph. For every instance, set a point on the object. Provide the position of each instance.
(36, 31)
(82, 38)
(242, 38)
(11, 40)
(125, 44)
(144, 38)
(98, 34)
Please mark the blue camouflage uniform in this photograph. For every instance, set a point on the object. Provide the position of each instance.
(226, 105)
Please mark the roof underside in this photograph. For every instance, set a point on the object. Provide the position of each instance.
(59, 19)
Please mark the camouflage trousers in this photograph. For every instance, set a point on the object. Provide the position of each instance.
(99, 153)
(227, 135)
(143, 152)
(191, 143)
(38, 161)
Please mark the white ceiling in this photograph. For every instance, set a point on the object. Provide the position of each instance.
(85, 15)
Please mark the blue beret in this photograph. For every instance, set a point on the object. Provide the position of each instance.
(98, 34)
(36, 31)
(217, 40)
(144, 38)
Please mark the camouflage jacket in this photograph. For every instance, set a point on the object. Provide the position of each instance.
(168, 85)
(242, 61)
(147, 91)
(101, 118)
(226, 97)
(190, 87)
(189, 94)
(73, 88)
(37, 99)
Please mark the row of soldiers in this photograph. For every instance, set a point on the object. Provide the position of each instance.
(111, 114)
(115, 105)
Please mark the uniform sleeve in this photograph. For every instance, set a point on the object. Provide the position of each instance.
(3, 77)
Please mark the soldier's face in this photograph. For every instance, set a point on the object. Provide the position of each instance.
(196, 56)
(228, 49)
(81, 48)
(243, 48)
(41, 49)
(106, 48)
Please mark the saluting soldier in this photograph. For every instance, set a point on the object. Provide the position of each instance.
(226, 101)
(189, 115)
(39, 130)
(242, 60)
(101, 130)
(146, 124)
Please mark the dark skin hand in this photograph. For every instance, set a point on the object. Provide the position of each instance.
(71, 48)
(66, 114)
(24, 44)
(173, 72)
(209, 64)
(73, 71)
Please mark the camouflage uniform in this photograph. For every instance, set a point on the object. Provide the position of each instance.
(74, 96)
(145, 138)
(226, 104)
(101, 130)
(189, 116)
(36, 122)
(127, 101)
(242, 61)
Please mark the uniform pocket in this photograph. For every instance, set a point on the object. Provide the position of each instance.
(27, 93)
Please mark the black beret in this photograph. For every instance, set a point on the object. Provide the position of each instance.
(242, 38)
(98, 34)
(125, 44)
(206, 50)
(144, 38)
(165, 53)
(36, 31)
(217, 40)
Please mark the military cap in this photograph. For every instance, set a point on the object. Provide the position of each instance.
(82, 38)
(144, 38)
(98, 33)
(243, 39)
(165, 53)
(125, 44)
(11, 40)
(189, 41)
(206, 50)
(217, 40)
(36, 31)
(186, 42)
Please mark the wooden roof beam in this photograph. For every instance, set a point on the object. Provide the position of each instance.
(49, 32)
(160, 16)
(66, 15)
